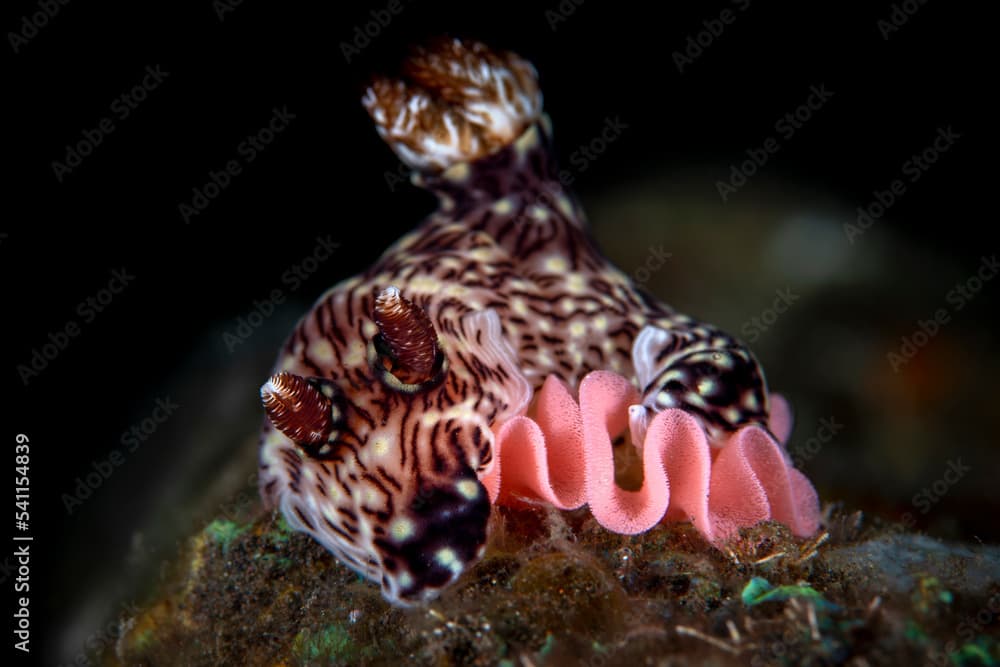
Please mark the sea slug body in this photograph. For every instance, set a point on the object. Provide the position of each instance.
(390, 398)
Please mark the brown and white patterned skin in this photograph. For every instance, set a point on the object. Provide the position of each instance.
(516, 291)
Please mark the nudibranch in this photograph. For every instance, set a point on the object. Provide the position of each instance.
(394, 396)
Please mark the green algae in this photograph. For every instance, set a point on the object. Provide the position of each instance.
(281, 532)
(914, 632)
(331, 643)
(760, 590)
(281, 561)
(224, 532)
(929, 594)
(984, 652)
(550, 642)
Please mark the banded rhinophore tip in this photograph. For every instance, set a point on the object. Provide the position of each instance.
(408, 336)
(298, 409)
(455, 101)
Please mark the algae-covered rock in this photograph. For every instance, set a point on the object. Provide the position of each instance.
(556, 589)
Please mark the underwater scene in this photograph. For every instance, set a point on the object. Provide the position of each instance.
(536, 334)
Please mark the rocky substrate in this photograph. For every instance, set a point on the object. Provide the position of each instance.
(556, 589)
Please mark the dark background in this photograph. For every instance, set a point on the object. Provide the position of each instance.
(325, 175)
